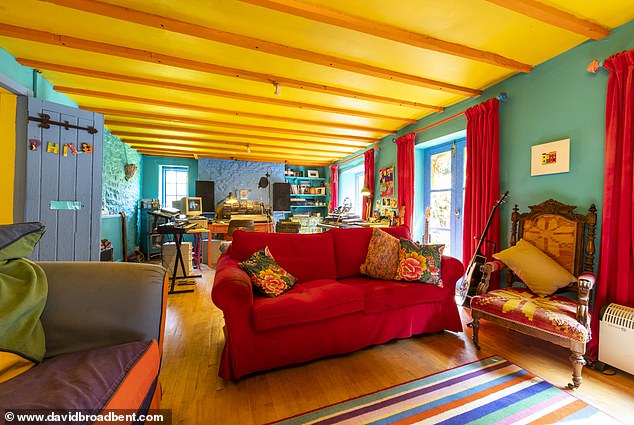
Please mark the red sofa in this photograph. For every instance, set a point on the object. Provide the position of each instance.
(332, 309)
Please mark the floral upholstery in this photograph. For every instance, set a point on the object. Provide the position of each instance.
(555, 314)
(419, 262)
(267, 277)
(554, 235)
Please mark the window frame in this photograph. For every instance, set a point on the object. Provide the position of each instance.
(164, 170)
(458, 161)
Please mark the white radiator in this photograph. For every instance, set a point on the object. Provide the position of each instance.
(616, 337)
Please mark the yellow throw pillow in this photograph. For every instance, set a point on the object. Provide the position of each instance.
(538, 271)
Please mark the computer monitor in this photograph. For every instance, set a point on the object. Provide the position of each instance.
(192, 206)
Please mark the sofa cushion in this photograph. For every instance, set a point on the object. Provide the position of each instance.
(382, 258)
(306, 302)
(307, 257)
(351, 247)
(382, 295)
(114, 377)
(419, 263)
(267, 277)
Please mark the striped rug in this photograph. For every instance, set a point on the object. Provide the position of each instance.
(488, 391)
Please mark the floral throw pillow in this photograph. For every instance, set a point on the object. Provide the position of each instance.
(267, 277)
(382, 257)
(419, 263)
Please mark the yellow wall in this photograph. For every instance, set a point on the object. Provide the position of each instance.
(7, 149)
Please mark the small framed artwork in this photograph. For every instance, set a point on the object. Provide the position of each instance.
(244, 194)
(393, 203)
(312, 173)
(386, 181)
(550, 158)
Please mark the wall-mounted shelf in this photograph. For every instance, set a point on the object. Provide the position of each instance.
(317, 179)
(301, 185)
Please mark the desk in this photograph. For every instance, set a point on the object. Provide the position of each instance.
(223, 227)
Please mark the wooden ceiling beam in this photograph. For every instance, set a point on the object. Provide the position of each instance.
(337, 18)
(230, 144)
(173, 61)
(254, 139)
(237, 126)
(246, 42)
(207, 109)
(207, 90)
(556, 17)
(224, 153)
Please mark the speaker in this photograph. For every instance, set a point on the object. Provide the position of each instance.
(205, 190)
(281, 196)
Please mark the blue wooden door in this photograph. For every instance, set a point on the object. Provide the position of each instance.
(63, 181)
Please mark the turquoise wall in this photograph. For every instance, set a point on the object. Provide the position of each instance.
(150, 179)
(558, 99)
(42, 89)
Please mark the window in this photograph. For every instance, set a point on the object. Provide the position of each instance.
(445, 172)
(350, 183)
(174, 184)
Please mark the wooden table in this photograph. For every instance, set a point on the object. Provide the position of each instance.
(223, 227)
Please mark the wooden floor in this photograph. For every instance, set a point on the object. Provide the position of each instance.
(196, 395)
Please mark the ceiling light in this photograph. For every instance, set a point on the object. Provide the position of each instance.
(277, 88)
(248, 149)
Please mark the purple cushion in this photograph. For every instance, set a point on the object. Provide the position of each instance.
(83, 380)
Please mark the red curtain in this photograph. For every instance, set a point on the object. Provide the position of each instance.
(368, 181)
(405, 176)
(482, 186)
(615, 281)
(334, 186)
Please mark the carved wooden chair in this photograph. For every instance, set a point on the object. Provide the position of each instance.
(553, 229)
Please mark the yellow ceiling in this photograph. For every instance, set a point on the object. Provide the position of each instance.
(198, 77)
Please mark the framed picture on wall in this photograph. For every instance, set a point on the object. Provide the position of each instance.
(386, 181)
(550, 158)
(244, 194)
(312, 173)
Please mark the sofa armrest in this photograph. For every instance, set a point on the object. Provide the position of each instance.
(232, 291)
(93, 304)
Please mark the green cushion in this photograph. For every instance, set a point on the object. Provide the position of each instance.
(18, 240)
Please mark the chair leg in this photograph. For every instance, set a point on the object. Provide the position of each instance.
(578, 362)
(475, 325)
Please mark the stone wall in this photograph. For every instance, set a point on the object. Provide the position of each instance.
(231, 176)
(119, 194)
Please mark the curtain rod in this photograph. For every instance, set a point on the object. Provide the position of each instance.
(375, 148)
(502, 97)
